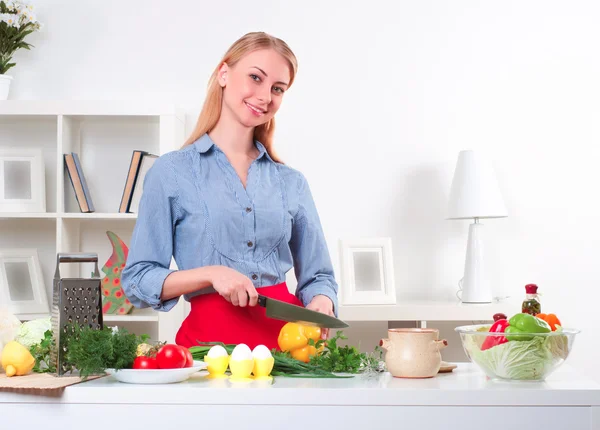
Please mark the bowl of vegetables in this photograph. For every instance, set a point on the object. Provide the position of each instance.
(522, 348)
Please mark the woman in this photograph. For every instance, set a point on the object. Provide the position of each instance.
(234, 217)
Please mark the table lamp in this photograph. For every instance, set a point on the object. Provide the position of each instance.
(475, 195)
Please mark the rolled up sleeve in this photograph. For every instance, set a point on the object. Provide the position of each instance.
(151, 247)
(312, 263)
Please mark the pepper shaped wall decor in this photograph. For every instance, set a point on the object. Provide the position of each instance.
(114, 300)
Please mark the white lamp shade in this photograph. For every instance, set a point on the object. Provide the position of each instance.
(475, 192)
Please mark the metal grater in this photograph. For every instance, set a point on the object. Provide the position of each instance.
(75, 300)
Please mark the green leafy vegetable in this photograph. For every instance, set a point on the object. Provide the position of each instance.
(344, 359)
(333, 359)
(522, 360)
(91, 351)
(41, 352)
(558, 345)
(284, 364)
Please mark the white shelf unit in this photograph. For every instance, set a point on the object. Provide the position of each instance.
(138, 316)
(104, 134)
(427, 310)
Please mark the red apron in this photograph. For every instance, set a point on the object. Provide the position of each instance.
(214, 319)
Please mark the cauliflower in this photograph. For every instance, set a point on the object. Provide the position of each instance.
(32, 332)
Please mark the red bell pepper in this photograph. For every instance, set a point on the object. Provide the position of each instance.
(498, 327)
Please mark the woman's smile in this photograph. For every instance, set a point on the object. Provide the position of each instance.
(255, 110)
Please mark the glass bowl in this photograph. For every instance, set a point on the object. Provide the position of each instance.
(528, 357)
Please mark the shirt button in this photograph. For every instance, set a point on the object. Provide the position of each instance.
(249, 244)
(248, 209)
(255, 276)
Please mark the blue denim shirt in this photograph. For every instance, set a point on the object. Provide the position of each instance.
(194, 207)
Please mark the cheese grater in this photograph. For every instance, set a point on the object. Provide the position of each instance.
(75, 300)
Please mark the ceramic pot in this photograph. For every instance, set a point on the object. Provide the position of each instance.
(4, 86)
(413, 352)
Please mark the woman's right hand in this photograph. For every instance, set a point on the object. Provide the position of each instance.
(234, 287)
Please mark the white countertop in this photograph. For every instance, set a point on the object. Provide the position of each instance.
(466, 385)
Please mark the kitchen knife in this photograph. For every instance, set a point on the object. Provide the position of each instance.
(279, 310)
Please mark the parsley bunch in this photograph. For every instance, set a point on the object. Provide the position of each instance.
(41, 352)
(343, 359)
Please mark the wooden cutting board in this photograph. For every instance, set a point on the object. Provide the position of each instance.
(39, 383)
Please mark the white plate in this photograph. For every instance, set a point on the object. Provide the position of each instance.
(155, 376)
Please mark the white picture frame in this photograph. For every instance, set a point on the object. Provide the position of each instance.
(22, 288)
(367, 271)
(22, 180)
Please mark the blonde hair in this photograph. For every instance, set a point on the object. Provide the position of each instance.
(211, 110)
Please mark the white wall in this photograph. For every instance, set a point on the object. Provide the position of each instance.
(387, 94)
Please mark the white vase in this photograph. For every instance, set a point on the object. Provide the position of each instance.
(4, 86)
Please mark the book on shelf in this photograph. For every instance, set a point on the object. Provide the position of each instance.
(82, 192)
(147, 162)
(141, 162)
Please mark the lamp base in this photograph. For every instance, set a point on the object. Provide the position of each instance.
(476, 288)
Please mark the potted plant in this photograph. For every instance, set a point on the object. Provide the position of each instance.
(17, 21)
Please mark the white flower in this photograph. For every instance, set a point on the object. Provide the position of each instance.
(19, 6)
(14, 6)
(14, 21)
(26, 17)
(11, 19)
(115, 330)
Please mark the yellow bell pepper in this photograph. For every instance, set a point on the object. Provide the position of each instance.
(16, 359)
(294, 337)
(304, 354)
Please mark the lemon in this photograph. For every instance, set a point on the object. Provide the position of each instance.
(16, 359)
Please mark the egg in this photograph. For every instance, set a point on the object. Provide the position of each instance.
(261, 352)
(217, 360)
(241, 352)
(263, 362)
(241, 362)
(217, 351)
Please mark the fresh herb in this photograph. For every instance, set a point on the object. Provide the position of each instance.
(284, 364)
(374, 361)
(91, 351)
(331, 360)
(41, 352)
(343, 359)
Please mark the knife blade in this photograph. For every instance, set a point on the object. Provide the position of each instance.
(279, 310)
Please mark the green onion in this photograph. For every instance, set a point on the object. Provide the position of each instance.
(284, 364)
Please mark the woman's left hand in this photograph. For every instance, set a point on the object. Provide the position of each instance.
(323, 304)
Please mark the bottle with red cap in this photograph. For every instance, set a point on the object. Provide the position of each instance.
(531, 304)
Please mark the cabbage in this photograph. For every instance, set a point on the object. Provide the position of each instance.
(558, 346)
(32, 332)
(522, 360)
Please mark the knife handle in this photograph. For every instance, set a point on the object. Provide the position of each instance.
(262, 301)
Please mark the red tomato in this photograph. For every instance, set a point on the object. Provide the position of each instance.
(170, 357)
(189, 360)
(144, 362)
